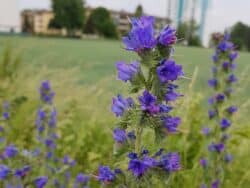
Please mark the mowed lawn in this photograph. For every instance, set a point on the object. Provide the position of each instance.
(91, 64)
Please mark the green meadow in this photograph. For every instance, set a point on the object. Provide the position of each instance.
(83, 75)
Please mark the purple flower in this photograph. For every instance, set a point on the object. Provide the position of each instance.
(22, 172)
(203, 162)
(225, 123)
(171, 95)
(127, 71)
(148, 103)
(118, 171)
(225, 46)
(170, 162)
(228, 158)
(10, 151)
(159, 152)
(233, 55)
(141, 36)
(68, 161)
(165, 108)
(213, 83)
(203, 186)
(232, 78)
(41, 181)
(119, 135)
(50, 143)
(46, 94)
(171, 123)
(82, 179)
(6, 115)
(169, 71)
(53, 118)
(4, 171)
(220, 98)
(132, 155)
(215, 57)
(137, 167)
(215, 184)
(120, 105)
(131, 135)
(105, 174)
(149, 161)
(216, 147)
(167, 36)
(212, 114)
(206, 131)
(232, 109)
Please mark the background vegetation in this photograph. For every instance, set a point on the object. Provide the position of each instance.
(83, 76)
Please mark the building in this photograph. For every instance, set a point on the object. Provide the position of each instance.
(9, 16)
(37, 21)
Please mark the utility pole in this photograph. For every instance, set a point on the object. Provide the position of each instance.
(192, 21)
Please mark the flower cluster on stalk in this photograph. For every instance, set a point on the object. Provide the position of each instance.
(220, 112)
(153, 79)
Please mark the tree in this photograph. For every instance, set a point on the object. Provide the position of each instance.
(188, 31)
(69, 14)
(100, 22)
(139, 11)
(239, 35)
(27, 25)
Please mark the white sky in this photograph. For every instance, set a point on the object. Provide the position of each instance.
(222, 13)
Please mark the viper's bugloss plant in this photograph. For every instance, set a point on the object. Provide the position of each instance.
(220, 114)
(152, 79)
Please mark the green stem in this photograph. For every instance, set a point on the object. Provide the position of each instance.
(138, 134)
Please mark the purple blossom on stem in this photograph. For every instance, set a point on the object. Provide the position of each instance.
(216, 147)
(232, 109)
(167, 36)
(215, 184)
(127, 71)
(206, 131)
(213, 83)
(4, 171)
(10, 151)
(105, 174)
(225, 123)
(46, 94)
(137, 167)
(141, 36)
(120, 105)
(170, 162)
(169, 71)
(41, 181)
(233, 55)
(119, 135)
(171, 124)
(228, 158)
(203, 162)
(148, 103)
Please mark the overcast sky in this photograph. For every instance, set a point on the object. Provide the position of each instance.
(222, 13)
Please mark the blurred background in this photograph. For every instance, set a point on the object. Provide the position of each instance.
(75, 45)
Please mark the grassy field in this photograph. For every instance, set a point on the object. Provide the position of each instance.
(83, 76)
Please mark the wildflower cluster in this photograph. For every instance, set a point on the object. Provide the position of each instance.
(153, 79)
(40, 167)
(220, 113)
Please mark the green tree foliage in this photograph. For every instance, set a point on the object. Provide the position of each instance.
(187, 31)
(100, 22)
(69, 14)
(240, 35)
(27, 25)
(139, 11)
